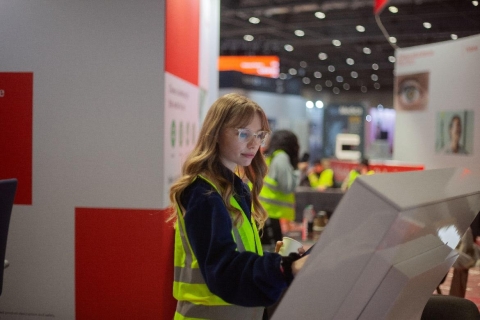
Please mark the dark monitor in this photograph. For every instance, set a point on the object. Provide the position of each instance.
(8, 188)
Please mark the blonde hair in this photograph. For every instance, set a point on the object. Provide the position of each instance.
(229, 111)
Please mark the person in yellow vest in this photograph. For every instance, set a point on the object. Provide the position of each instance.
(220, 269)
(320, 176)
(362, 168)
(278, 193)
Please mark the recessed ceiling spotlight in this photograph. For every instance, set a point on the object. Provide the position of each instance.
(288, 48)
(375, 66)
(346, 86)
(309, 104)
(319, 104)
(248, 37)
(360, 28)
(299, 33)
(317, 74)
(306, 80)
(254, 20)
(303, 64)
(318, 87)
(350, 61)
(282, 76)
(392, 59)
(336, 43)
(322, 56)
(364, 89)
(328, 83)
(336, 90)
(374, 77)
(339, 79)
(367, 50)
(392, 39)
(331, 68)
(393, 9)
(376, 85)
(427, 25)
(454, 36)
(292, 71)
(475, 3)
(354, 74)
(320, 15)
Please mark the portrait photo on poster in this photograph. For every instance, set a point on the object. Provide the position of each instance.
(454, 132)
(411, 91)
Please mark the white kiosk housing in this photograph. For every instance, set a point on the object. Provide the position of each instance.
(387, 247)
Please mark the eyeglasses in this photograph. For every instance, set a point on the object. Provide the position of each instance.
(246, 135)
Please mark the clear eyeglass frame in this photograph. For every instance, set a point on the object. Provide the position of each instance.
(246, 135)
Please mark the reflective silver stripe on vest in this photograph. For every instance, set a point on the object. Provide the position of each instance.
(277, 202)
(238, 239)
(189, 275)
(229, 312)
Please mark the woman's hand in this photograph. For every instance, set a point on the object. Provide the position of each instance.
(279, 244)
(297, 265)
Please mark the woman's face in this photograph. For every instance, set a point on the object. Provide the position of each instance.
(235, 152)
(455, 131)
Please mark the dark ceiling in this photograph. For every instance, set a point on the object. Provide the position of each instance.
(280, 18)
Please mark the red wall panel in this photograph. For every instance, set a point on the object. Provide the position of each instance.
(123, 264)
(182, 39)
(16, 96)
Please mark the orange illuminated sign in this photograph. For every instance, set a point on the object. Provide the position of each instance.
(265, 66)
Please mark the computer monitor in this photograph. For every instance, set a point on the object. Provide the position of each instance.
(388, 245)
(8, 188)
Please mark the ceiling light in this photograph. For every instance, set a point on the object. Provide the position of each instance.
(254, 20)
(375, 66)
(309, 104)
(299, 33)
(319, 104)
(320, 15)
(393, 9)
(374, 77)
(354, 74)
(346, 86)
(303, 64)
(367, 50)
(331, 68)
(360, 28)
(350, 61)
(368, 118)
(288, 48)
(376, 85)
(248, 37)
(282, 76)
(427, 25)
(328, 83)
(392, 59)
(292, 71)
(380, 106)
(364, 89)
(454, 36)
(318, 87)
(306, 80)
(336, 43)
(336, 90)
(322, 56)
(339, 79)
(392, 39)
(475, 3)
(317, 74)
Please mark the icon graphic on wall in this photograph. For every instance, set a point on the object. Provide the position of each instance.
(172, 133)
(180, 133)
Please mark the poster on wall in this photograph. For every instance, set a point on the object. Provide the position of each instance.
(454, 132)
(339, 118)
(411, 91)
(182, 112)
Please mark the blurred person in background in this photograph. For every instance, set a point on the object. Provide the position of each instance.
(320, 176)
(278, 193)
(362, 168)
